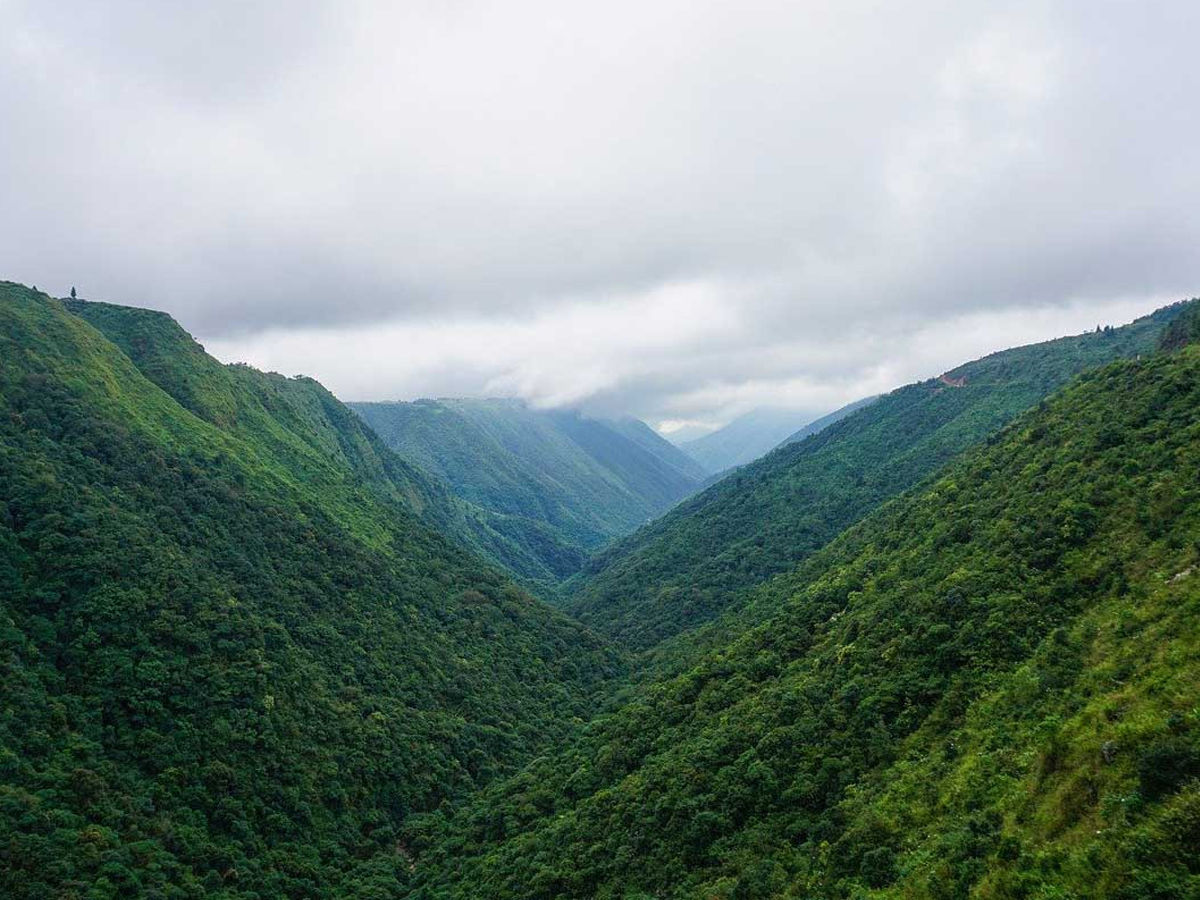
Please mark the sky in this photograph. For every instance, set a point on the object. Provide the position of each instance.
(674, 210)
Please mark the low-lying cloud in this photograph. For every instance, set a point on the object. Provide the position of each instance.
(678, 210)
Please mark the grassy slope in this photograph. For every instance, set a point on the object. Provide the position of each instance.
(234, 659)
(584, 481)
(687, 567)
(989, 687)
(308, 427)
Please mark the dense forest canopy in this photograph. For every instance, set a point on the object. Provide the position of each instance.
(235, 656)
(947, 646)
(988, 687)
(680, 450)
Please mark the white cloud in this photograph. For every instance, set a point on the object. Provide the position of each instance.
(567, 354)
(602, 355)
(473, 197)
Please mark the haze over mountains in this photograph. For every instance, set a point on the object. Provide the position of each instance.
(562, 204)
(581, 481)
(560, 484)
(819, 425)
(693, 563)
(753, 434)
(745, 438)
(256, 643)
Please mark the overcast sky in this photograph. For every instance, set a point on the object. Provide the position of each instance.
(678, 210)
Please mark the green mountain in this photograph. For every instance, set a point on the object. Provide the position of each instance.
(947, 646)
(581, 480)
(235, 654)
(649, 439)
(989, 687)
(753, 434)
(688, 566)
(298, 412)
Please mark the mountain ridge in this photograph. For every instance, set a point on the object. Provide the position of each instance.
(985, 687)
(689, 565)
(948, 645)
(818, 425)
(236, 654)
(745, 438)
(585, 480)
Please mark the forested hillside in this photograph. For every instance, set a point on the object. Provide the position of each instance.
(649, 439)
(304, 423)
(235, 657)
(988, 687)
(948, 646)
(743, 439)
(687, 567)
(582, 481)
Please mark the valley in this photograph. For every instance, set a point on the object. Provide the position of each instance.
(259, 642)
(615, 451)
(577, 480)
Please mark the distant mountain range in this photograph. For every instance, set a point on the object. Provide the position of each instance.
(578, 480)
(755, 433)
(745, 438)
(818, 425)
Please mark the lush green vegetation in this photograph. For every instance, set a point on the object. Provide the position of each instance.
(248, 651)
(989, 687)
(701, 558)
(576, 480)
(234, 656)
(301, 420)
(649, 439)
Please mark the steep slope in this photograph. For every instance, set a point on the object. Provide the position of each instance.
(744, 439)
(307, 425)
(234, 657)
(649, 439)
(583, 480)
(688, 566)
(651, 477)
(989, 687)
